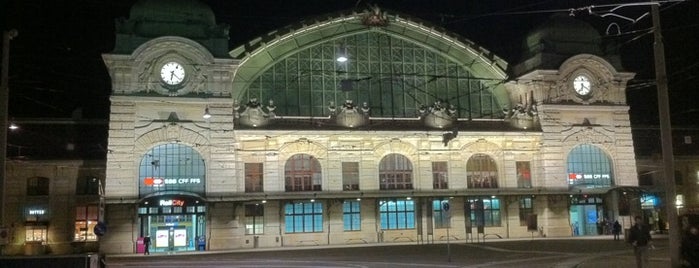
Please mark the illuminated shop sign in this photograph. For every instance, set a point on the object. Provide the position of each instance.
(36, 212)
(172, 202)
(159, 181)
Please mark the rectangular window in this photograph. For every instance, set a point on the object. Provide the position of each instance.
(350, 176)
(439, 175)
(526, 208)
(485, 211)
(441, 217)
(253, 177)
(85, 221)
(37, 186)
(36, 233)
(87, 186)
(524, 174)
(254, 219)
(303, 217)
(351, 218)
(397, 214)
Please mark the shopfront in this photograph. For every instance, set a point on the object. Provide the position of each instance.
(173, 222)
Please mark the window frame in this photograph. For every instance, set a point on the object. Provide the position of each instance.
(350, 176)
(440, 176)
(254, 177)
(395, 173)
(397, 214)
(302, 172)
(303, 217)
(351, 215)
(254, 219)
(488, 216)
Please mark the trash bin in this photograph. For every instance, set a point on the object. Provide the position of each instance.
(140, 246)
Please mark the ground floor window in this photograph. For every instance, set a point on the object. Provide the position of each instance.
(526, 208)
(351, 218)
(85, 221)
(441, 216)
(397, 214)
(254, 219)
(36, 233)
(484, 211)
(303, 217)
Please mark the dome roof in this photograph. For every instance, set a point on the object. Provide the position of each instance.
(191, 11)
(564, 28)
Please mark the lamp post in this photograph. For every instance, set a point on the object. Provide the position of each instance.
(4, 96)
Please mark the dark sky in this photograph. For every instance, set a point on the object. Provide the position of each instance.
(56, 64)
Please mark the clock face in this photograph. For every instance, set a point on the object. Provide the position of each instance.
(582, 85)
(172, 73)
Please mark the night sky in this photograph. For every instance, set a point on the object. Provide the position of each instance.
(56, 65)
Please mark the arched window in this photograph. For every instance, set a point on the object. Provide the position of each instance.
(481, 172)
(395, 172)
(589, 167)
(302, 173)
(172, 167)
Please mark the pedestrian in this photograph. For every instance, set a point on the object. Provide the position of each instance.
(640, 239)
(616, 230)
(690, 247)
(146, 244)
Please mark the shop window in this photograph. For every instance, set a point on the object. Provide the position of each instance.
(397, 214)
(441, 217)
(254, 219)
(36, 233)
(253, 177)
(526, 208)
(350, 176)
(439, 175)
(395, 172)
(351, 217)
(481, 172)
(302, 173)
(37, 186)
(484, 211)
(85, 220)
(87, 186)
(589, 167)
(303, 217)
(172, 167)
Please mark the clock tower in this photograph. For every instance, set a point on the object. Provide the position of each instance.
(577, 90)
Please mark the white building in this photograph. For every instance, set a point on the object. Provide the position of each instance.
(302, 149)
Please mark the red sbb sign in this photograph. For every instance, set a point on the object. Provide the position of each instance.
(157, 181)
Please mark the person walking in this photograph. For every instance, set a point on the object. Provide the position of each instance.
(640, 239)
(616, 230)
(146, 244)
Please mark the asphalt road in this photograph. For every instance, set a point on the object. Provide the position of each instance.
(587, 252)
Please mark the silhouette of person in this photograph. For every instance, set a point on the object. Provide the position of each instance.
(146, 244)
(639, 237)
(616, 230)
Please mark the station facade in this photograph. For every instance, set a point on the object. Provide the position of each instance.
(415, 134)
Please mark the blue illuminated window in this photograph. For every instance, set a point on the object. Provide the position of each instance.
(303, 217)
(397, 214)
(351, 218)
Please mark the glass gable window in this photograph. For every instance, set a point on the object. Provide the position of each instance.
(395, 172)
(589, 167)
(439, 175)
(484, 211)
(302, 173)
(85, 221)
(350, 176)
(441, 217)
(254, 219)
(303, 217)
(481, 172)
(397, 214)
(351, 218)
(253, 177)
(303, 83)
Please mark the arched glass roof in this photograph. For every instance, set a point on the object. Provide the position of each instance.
(395, 69)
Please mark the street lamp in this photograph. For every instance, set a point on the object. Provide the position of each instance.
(4, 96)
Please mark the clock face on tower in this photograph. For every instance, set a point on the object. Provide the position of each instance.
(582, 85)
(172, 73)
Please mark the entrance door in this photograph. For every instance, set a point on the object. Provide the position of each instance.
(583, 219)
